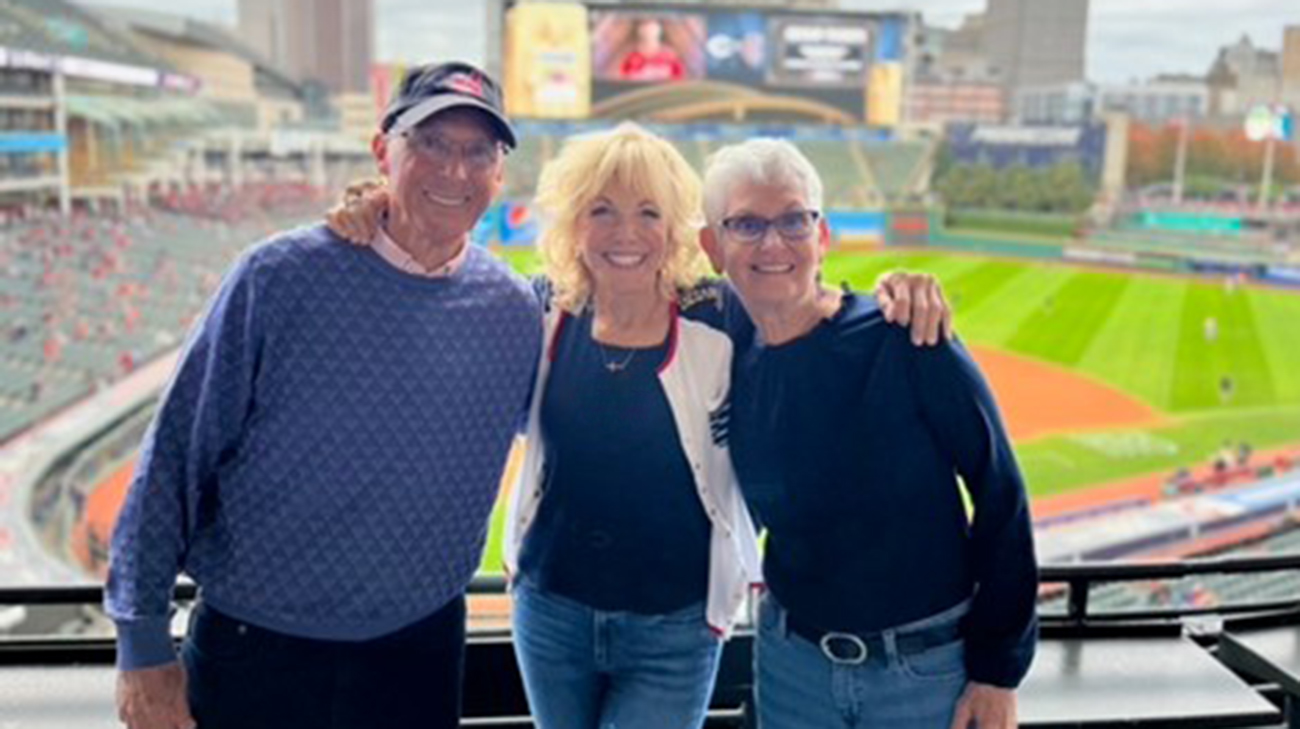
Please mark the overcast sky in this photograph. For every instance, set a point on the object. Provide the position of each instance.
(1127, 39)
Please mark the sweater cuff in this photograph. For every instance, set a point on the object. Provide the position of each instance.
(1002, 668)
(144, 643)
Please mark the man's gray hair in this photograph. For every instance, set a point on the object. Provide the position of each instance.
(762, 161)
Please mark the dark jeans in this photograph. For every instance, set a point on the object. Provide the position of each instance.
(244, 677)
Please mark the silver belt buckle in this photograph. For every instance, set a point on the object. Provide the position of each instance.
(855, 641)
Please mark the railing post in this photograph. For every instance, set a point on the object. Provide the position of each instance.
(1078, 608)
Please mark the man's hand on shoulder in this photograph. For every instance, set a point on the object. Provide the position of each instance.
(915, 300)
(356, 218)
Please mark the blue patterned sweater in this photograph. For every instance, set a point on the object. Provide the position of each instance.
(325, 459)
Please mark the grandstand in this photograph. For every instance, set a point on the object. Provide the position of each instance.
(860, 170)
(1238, 250)
(1201, 591)
(86, 300)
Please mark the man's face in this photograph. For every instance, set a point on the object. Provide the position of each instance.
(649, 35)
(780, 268)
(442, 174)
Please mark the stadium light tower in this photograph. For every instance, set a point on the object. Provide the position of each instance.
(1268, 123)
(1184, 124)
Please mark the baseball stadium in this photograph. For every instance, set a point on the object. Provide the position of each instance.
(1142, 345)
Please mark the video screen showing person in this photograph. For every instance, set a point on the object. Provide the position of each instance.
(647, 48)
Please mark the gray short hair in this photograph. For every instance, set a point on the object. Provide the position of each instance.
(763, 161)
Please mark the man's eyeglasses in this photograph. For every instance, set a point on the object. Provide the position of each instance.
(794, 226)
(478, 156)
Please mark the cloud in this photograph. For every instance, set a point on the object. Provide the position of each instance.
(423, 30)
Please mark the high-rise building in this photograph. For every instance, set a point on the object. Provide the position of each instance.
(258, 26)
(1036, 42)
(1242, 76)
(327, 41)
(1291, 59)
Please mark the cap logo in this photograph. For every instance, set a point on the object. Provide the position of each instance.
(466, 84)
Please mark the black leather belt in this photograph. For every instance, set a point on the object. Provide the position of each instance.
(858, 648)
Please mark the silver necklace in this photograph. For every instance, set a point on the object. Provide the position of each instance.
(614, 366)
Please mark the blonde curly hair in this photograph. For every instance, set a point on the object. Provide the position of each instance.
(585, 167)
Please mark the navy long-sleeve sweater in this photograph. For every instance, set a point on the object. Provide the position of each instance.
(848, 443)
(325, 459)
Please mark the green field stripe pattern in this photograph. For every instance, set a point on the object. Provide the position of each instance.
(1277, 322)
(997, 318)
(1062, 328)
(968, 290)
(1134, 349)
(1236, 352)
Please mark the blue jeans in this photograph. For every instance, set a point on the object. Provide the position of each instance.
(590, 669)
(798, 687)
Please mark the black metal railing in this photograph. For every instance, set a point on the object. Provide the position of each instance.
(1079, 580)
(493, 690)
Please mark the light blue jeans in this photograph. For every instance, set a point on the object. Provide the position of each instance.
(589, 669)
(798, 687)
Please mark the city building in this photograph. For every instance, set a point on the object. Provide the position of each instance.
(1241, 76)
(1157, 101)
(326, 41)
(1036, 42)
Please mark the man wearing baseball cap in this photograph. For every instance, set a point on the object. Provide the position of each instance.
(325, 459)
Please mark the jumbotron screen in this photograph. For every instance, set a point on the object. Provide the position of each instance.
(675, 63)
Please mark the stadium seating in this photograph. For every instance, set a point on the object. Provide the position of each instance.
(1243, 249)
(83, 302)
(845, 180)
(855, 174)
(1201, 590)
(894, 165)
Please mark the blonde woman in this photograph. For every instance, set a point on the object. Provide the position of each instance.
(628, 542)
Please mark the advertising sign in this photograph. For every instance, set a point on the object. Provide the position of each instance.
(736, 48)
(819, 51)
(548, 61)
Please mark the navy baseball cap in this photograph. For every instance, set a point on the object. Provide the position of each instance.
(435, 88)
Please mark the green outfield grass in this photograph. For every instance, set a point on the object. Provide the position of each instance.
(1142, 334)
(1002, 224)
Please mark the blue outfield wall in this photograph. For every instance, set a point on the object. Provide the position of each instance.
(27, 142)
(860, 226)
(514, 223)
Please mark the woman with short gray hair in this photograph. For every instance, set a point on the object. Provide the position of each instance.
(887, 606)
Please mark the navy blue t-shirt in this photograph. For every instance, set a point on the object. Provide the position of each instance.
(620, 526)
